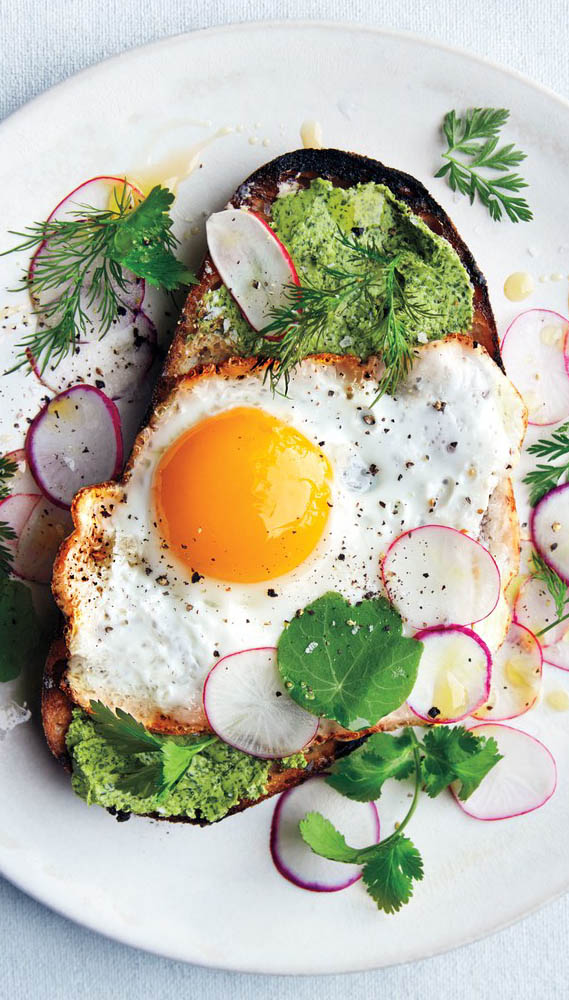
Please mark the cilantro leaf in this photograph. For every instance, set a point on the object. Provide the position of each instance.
(141, 779)
(361, 775)
(324, 839)
(19, 627)
(390, 871)
(143, 242)
(176, 759)
(122, 731)
(456, 755)
(348, 663)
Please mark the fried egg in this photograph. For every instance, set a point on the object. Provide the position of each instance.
(242, 506)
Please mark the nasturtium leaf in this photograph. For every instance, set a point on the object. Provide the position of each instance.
(348, 662)
(19, 628)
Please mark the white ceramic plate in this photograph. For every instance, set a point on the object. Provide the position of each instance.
(212, 896)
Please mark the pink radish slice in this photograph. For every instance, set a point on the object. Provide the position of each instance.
(15, 511)
(437, 576)
(535, 609)
(115, 363)
(454, 674)
(522, 781)
(535, 359)
(549, 528)
(516, 676)
(39, 541)
(246, 704)
(557, 654)
(22, 481)
(74, 441)
(358, 821)
(252, 263)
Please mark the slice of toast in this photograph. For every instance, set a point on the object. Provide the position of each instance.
(188, 350)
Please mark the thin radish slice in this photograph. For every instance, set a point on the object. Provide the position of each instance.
(116, 363)
(39, 541)
(246, 704)
(252, 262)
(549, 528)
(522, 781)
(358, 821)
(557, 654)
(534, 356)
(436, 575)
(516, 676)
(15, 511)
(535, 608)
(454, 674)
(74, 441)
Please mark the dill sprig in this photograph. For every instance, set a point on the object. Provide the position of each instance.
(544, 478)
(376, 283)
(475, 137)
(8, 468)
(81, 274)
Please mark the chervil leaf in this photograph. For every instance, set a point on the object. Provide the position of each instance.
(456, 755)
(543, 478)
(348, 663)
(362, 774)
(324, 839)
(19, 628)
(122, 731)
(390, 871)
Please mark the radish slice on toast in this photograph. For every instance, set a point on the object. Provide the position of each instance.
(247, 705)
(74, 441)
(454, 674)
(358, 821)
(550, 530)
(534, 352)
(522, 781)
(436, 575)
(516, 676)
(252, 262)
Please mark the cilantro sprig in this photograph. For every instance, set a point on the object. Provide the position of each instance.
(348, 662)
(484, 169)
(85, 265)
(445, 756)
(171, 759)
(544, 478)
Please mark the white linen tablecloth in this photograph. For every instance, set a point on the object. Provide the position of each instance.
(45, 957)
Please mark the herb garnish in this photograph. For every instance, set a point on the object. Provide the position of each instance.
(19, 627)
(376, 283)
(127, 736)
(557, 587)
(476, 137)
(348, 662)
(544, 478)
(85, 262)
(446, 755)
(8, 468)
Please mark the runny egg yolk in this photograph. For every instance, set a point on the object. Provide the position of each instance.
(242, 496)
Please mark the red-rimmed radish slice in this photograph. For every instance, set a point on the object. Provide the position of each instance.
(252, 262)
(116, 363)
(15, 511)
(535, 608)
(437, 576)
(454, 674)
(557, 654)
(516, 676)
(247, 705)
(358, 821)
(74, 441)
(535, 359)
(522, 781)
(550, 530)
(39, 541)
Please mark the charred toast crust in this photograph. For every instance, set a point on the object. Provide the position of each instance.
(342, 169)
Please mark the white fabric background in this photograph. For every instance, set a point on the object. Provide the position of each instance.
(45, 957)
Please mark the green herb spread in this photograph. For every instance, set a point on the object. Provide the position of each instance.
(307, 221)
(217, 779)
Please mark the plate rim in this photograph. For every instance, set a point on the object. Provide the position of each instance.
(14, 119)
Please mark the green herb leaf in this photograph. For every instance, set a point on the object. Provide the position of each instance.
(143, 243)
(324, 839)
(456, 755)
(556, 586)
(176, 759)
(348, 663)
(8, 468)
(19, 628)
(390, 872)
(362, 774)
(476, 137)
(141, 779)
(122, 731)
(544, 478)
